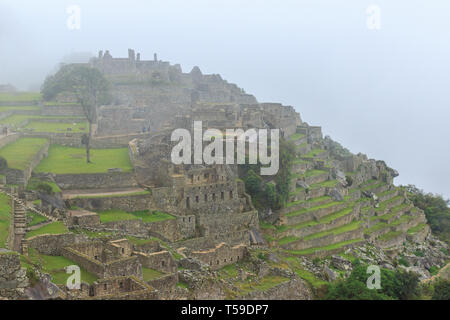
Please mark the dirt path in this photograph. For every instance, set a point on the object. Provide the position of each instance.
(70, 194)
(446, 268)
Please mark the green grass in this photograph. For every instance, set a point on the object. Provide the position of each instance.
(287, 240)
(304, 274)
(16, 119)
(229, 271)
(20, 153)
(5, 219)
(378, 226)
(145, 216)
(53, 228)
(325, 248)
(266, 225)
(35, 218)
(67, 160)
(55, 265)
(151, 274)
(304, 210)
(314, 200)
(19, 108)
(313, 153)
(19, 96)
(139, 193)
(345, 228)
(56, 103)
(264, 284)
(417, 228)
(325, 184)
(55, 127)
(296, 136)
(390, 235)
(34, 183)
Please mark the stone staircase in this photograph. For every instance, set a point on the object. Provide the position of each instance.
(26, 207)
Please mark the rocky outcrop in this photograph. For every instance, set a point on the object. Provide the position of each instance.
(13, 278)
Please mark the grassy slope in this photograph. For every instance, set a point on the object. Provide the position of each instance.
(5, 218)
(53, 228)
(20, 153)
(55, 127)
(67, 160)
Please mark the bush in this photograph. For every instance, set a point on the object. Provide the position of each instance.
(394, 285)
(434, 270)
(441, 290)
(403, 262)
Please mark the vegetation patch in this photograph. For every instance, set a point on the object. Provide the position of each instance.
(5, 219)
(56, 227)
(55, 127)
(67, 160)
(20, 153)
(145, 216)
(55, 266)
(151, 274)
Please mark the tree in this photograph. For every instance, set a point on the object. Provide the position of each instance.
(87, 85)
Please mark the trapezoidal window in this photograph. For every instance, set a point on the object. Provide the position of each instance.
(188, 203)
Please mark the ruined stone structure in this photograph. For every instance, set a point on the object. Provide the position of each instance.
(180, 228)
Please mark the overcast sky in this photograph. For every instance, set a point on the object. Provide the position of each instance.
(382, 92)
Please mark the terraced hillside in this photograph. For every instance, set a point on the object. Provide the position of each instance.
(338, 200)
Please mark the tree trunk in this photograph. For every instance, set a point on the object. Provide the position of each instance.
(88, 144)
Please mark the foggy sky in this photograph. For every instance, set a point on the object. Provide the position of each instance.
(381, 92)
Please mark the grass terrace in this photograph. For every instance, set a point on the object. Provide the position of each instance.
(35, 184)
(325, 248)
(20, 153)
(19, 96)
(53, 228)
(326, 219)
(35, 218)
(417, 228)
(345, 228)
(390, 235)
(17, 119)
(313, 153)
(296, 136)
(67, 160)
(264, 284)
(145, 216)
(314, 200)
(55, 127)
(304, 274)
(151, 274)
(19, 108)
(302, 211)
(5, 218)
(55, 266)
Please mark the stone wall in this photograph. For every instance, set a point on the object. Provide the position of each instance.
(165, 283)
(127, 203)
(21, 177)
(325, 240)
(13, 279)
(220, 256)
(51, 244)
(161, 261)
(95, 180)
(62, 110)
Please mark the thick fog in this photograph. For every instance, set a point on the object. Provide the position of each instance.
(383, 92)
